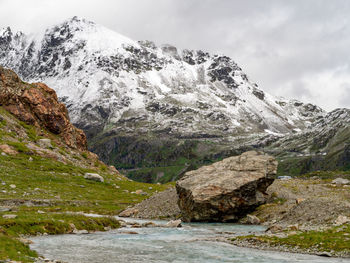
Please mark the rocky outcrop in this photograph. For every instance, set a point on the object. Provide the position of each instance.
(126, 95)
(36, 104)
(158, 206)
(226, 190)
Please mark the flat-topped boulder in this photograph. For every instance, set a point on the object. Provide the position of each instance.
(226, 190)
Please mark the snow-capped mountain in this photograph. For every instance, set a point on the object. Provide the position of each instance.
(109, 81)
(121, 91)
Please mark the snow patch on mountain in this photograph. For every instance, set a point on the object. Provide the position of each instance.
(110, 82)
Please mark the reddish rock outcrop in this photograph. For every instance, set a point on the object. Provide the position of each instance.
(37, 104)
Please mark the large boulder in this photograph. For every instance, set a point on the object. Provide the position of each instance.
(226, 190)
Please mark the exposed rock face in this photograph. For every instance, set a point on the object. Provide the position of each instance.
(226, 190)
(127, 94)
(36, 104)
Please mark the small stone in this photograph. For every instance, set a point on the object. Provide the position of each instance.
(252, 220)
(129, 212)
(13, 186)
(174, 223)
(293, 227)
(341, 220)
(41, 212)
(149, 224)
(138, 192)
(8, 149)
(274, 229)
(45, 143)
(3, 154)
(94, 177)
(80, 232)
(30, 159)
(150, 188)
(299, 200)
(9, 216)
(340, 181)
(4, 209)
(130, 232)
(26, 241)
(325, 254)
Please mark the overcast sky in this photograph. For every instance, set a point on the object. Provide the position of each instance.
(296, 49)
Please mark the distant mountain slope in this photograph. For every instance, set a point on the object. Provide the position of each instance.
(143, 105)
(324, 146)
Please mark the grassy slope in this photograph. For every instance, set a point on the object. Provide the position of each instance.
(335, 240)
(46, 189)
(320, 234)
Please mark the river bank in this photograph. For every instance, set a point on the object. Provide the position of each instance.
(303, 215)
(199, 242)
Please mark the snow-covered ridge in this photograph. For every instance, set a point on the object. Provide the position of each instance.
(110, 82)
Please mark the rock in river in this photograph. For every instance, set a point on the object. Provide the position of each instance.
(226, 190)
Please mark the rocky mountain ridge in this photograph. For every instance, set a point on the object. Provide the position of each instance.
(144, 106)
(111, 83)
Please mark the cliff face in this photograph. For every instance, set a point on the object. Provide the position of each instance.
(37, 104)
(148, 106)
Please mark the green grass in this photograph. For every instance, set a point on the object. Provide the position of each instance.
(19, 146)
(333, 239)
(33, 223)
(13, 249)
(327, 174)
(55, 188)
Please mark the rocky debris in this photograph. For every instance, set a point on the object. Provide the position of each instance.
(134, 72)
(324, 254)
(174, 223)
(45, 143)
(252, 220)
(8, 149)
(36, 104)
(341, 220)
(226, 190)
(255, 243)
(149, 224)
(25, 241)
(129, 232)
(5, 208)
(129, 212)
(298, 201)
(94, 177)
(340, 181)
(80, 232)
(46, 260)
(274, 228)
(9, 216)
(312, 204)
(140, 192)
(159, 205)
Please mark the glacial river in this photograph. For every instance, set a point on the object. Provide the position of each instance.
(190, 244)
